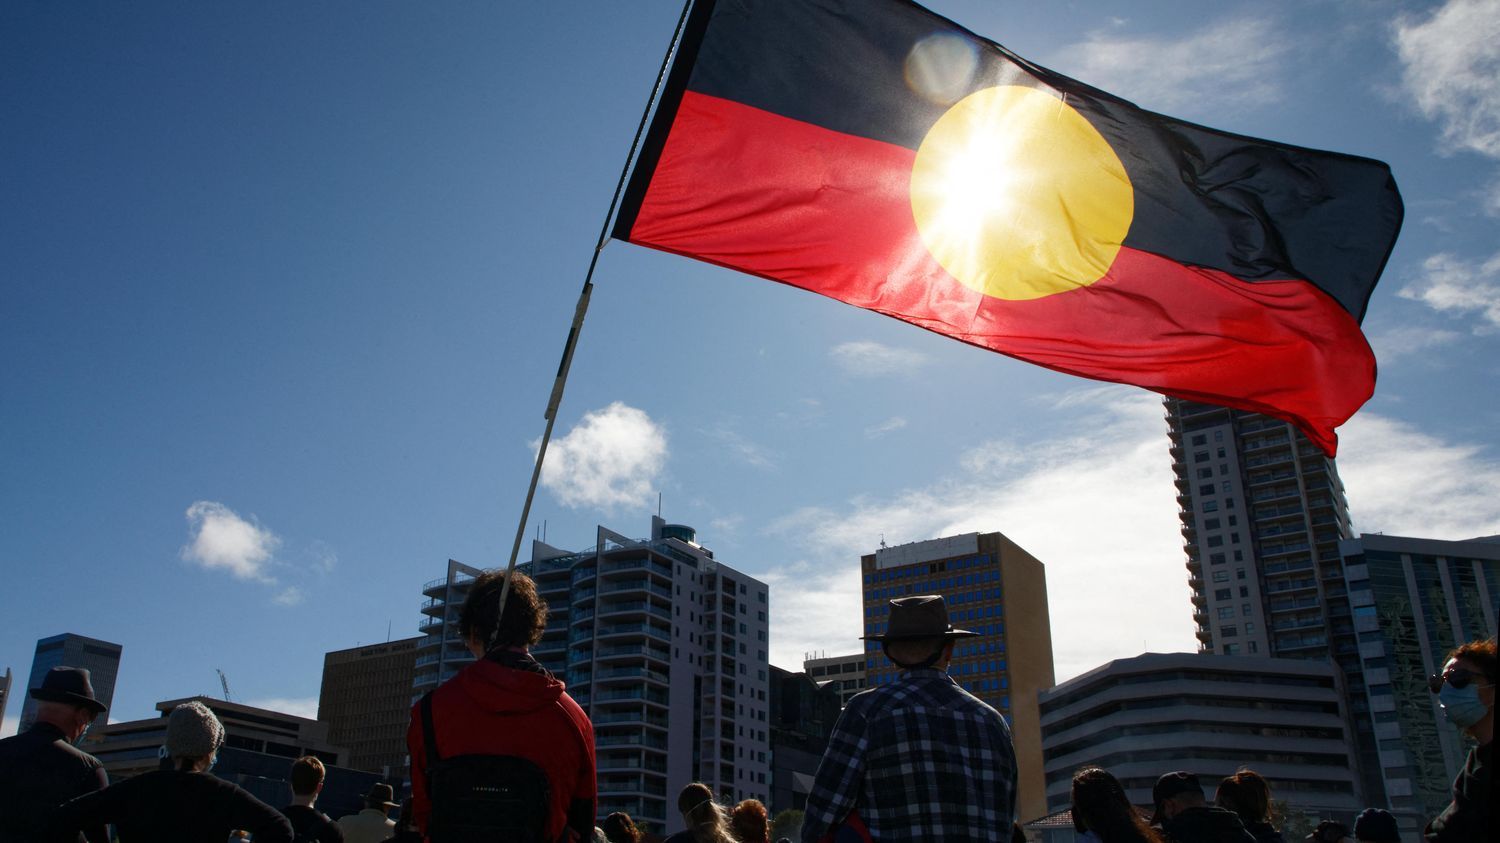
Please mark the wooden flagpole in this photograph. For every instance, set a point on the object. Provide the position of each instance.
(583, 305)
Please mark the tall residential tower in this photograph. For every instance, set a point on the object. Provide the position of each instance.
(665, 647)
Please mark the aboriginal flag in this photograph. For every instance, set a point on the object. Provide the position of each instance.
(874, 152)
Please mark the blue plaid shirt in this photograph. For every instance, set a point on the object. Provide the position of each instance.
(920, 759)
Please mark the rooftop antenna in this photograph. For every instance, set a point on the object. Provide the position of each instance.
(224, 682)
(658, 504)
(387, 631)
(882, 541)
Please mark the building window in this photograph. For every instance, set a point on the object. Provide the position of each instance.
(1201, 456)
(1254, 647)
(1221, 576)
(1239, 573)
(1232, 649)
(1245, 609)
(1216, 559)
(1215, 541)
(1234, 538)
(1210, 506)
(1226, 612)
(1245, 591)
(1234, 520)
(1206, 489)
(1229, 632)
(1227, 488)
(1221, 594)
(1205, 473)
(1249, 628)
(1211, 524)
(1200, 439)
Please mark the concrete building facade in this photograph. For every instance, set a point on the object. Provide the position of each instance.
(365, 698)
(992, 587)
(844, 674)
(259, 748)
(664, 646)
(1211, 715)
(1413, 601)
(101, 658)
(803, 712)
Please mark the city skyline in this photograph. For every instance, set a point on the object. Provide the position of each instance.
(286, 289)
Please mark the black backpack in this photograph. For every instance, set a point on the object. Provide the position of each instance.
(483, 798)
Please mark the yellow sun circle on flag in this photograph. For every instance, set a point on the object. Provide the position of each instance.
(1018, 196)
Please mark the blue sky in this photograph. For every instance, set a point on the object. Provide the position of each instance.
(283, 287)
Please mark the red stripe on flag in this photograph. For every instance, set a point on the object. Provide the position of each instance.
(831, 213)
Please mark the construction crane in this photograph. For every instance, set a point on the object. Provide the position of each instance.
(224, 681)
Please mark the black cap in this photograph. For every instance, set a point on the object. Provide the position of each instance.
(1376, 826)
(1170, 785)
(68, 685)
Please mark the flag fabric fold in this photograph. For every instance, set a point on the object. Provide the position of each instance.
(879, 154)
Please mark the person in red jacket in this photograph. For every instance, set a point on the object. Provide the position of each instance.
(506, 704)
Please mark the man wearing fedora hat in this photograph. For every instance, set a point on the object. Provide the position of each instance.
(41, 769)
(919, 758)
(373, 824)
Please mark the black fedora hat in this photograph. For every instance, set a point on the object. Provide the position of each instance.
(68, 685)
(381, 794)
(919, 616)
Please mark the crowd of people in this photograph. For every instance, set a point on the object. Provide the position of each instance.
(501, 752)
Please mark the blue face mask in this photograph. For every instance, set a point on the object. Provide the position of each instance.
(1462, 706)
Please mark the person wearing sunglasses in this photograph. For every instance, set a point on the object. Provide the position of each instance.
(1466, 693)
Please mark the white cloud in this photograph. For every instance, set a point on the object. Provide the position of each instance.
(1407, 341)
(1233, 64)
(868, 359)
(1402, 481)
(295, 706)
(1452, 285)
(1096, 507)
(746, 451)
(1452, 71)
(289, 596)
(890, 425)
(610, 458)
(219, 539)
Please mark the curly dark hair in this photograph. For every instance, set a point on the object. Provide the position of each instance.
(1481, 654)
(525, 612)
(750, 823)
(1100, 806)
(620, 828)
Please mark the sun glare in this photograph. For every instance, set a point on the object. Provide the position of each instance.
(1018, 196)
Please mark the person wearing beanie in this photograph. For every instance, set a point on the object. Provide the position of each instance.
(183, 803)
(1376, 826)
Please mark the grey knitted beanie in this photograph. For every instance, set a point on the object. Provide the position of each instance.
(193, 731)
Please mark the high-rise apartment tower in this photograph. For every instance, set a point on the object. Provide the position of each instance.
(665, 648)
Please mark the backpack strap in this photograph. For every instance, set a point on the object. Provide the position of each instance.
(429, 734)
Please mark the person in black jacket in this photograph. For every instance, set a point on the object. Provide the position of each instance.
(40, 769)
(1185, 817)
(185, 804)
(308, 823)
